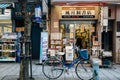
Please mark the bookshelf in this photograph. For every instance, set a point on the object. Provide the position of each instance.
(8, 47)
(56, 41)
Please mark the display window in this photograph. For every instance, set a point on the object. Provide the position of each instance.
(72, 30)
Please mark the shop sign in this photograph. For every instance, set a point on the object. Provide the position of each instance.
(17, 10)
(38, 13)
(5, 21)
(78, 12)
(105, 22)
(43, 46)
(44, 6)
(117, 33)
(105, 11)
(6, 15)
(7, 12)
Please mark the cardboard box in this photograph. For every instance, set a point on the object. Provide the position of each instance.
(51, 52)
(69, 53)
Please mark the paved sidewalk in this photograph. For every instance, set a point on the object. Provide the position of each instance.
(10, 71)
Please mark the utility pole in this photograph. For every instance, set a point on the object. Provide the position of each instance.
(26, 39)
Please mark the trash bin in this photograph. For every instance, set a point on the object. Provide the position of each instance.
(95, 65)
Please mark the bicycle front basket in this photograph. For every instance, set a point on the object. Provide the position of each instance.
(84, 53)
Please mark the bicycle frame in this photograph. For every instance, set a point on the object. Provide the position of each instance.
(72, 63)
(59, 65)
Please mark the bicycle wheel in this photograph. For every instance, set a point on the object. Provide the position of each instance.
(52, 68)
(84, 70)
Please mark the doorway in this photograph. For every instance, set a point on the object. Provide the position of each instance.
(107, 37)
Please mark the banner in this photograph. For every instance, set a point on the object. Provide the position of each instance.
(38, 13)
(43, 46)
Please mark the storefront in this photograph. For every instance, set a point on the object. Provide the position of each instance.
(79, 29)
(95, 22)
(74, 22)
(7, 37)
(5, 18)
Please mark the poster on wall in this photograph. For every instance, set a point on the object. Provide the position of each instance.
(43, 46)
(6, 14)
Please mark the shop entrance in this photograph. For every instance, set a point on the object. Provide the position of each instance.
(72, 30)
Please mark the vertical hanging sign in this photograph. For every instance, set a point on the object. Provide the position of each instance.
(43, 46)
(38, 13)
(105, 18)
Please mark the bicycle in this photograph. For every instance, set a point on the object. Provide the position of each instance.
(53, 67)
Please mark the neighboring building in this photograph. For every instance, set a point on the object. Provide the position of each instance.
(97, 21)
(11, 20)
(5, 18)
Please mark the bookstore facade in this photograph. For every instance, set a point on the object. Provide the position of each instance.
(93, 22)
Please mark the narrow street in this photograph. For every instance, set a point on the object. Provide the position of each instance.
(10, 71)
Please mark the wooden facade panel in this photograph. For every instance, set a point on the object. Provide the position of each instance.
(118, 13)
(111, 12)
(55, 19)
